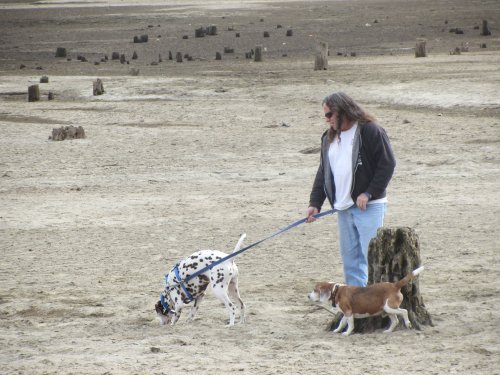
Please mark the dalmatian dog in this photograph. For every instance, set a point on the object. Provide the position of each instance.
(223, 278)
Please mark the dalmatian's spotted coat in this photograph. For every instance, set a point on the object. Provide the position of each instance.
(223, 279)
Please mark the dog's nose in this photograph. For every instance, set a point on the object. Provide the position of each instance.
(313, 297)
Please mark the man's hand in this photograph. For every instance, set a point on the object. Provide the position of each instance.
(311, 211)
(362, 201)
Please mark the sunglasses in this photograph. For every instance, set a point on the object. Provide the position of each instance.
(329, 115)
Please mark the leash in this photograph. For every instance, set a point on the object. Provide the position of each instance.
(232, 255)
(224, 259)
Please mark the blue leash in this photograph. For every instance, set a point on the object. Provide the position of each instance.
(232, 255)
(222, 260)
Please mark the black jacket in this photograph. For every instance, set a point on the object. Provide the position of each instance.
(373, 164)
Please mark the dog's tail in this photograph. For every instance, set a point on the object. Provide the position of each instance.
(401, 283)
(240, 242)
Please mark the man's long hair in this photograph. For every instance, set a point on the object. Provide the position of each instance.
(345, 108)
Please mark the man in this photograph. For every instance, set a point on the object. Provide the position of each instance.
(357, 163)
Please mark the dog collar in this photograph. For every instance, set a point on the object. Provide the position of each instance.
(166, 307)
(163, 301)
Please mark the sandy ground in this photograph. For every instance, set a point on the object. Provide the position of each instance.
(188, 156)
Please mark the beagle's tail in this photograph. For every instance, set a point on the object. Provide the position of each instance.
(240, 242)
(401, 283)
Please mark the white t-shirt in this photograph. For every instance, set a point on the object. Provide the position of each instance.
(340, 156)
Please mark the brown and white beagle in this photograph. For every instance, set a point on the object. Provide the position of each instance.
(362, 302)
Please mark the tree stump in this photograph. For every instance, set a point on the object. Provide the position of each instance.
(420, 50)
(33, 93)
(485, 31)
(199, 33)
(218, 56)
(44, 79)
(392, 254)
(61, 52)
(67, 132)
(211, 30)
(289, 32)
(98, 87)
(178, 57)
(258, 54)
(321, 60)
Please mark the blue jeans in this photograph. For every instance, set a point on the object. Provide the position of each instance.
(356, 229)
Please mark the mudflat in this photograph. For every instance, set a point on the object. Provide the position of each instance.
(180, 157)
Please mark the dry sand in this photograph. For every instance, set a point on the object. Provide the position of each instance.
(188, 156)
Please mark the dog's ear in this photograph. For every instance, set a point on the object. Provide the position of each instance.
(333, 292)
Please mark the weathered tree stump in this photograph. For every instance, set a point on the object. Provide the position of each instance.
(211, 30)
(420, 50)
(33, 93)
(321, 59)
(199, 33)
(392, 254)
(258, 54)
(485, 30)
(61, 52)
(67, 132)
(98, 87)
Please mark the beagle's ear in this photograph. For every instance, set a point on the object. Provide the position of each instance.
(333, 292)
